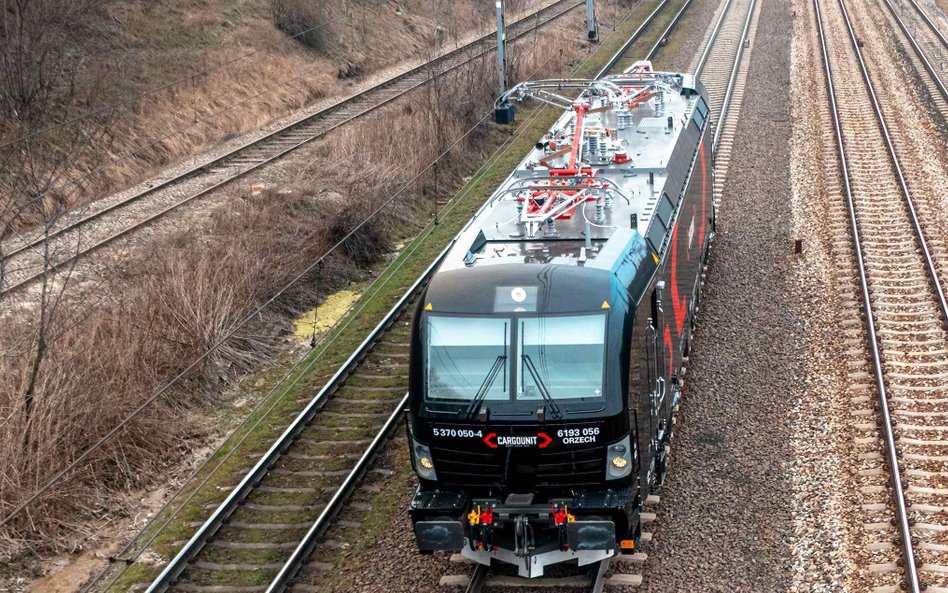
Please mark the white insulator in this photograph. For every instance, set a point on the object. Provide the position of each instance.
(592, 147)
(550, 228)
(607, 200)
(600, 211)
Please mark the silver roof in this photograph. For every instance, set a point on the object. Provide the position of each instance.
(624, 167)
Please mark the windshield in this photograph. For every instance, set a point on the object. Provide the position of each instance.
(562, 355)
(467, 355)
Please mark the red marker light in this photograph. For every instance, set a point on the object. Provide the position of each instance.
(489, 439)
(545, 440)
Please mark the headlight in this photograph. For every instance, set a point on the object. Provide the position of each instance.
(619, 459)
(424, 465)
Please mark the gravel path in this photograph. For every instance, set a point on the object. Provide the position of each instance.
(689, 37)
(724, 522)
(827, 520)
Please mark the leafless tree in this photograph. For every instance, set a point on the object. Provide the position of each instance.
(434, 108)
(38, 74)
(38, 53)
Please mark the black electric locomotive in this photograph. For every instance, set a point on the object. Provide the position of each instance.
(547, 348)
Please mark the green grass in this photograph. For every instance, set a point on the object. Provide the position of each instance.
(253, 556)
(355, 381)
(284, 402)
(675, 42)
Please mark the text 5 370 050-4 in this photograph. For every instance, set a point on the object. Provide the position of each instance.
(462, 433)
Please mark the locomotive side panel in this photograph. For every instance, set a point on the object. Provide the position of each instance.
(669, 307)
(643, 375)
(684, 259)
(681, 269)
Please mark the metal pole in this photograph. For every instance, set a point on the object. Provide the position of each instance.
(504, 111)
(501, 47)
(592, 28)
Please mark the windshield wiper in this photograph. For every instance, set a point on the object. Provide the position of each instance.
(499, 363)
(528, 362)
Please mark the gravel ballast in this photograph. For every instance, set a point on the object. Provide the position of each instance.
(724, 522)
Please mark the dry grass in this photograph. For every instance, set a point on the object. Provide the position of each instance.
(140, 45)
(183, 294)
(169, 307)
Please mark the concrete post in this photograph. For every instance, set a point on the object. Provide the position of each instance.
(501, 47)
(504, 112)
(592, 27)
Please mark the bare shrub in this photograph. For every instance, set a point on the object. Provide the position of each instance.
(173, 304)
(306, 21)
(363, 242)
(39, 52)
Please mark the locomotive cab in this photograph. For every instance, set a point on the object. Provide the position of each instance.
(543, 364)
(522, 433)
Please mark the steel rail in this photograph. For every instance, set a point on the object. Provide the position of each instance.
(308, 544)
(599, 577)
(234, 154)
(911, 571)
(725, 106)
(910, 204)
(622, 51)
(663, 38)
(714, 34)
(631, 40)
(243, 489)
(931, 24)
(478, 579)
(919, 52)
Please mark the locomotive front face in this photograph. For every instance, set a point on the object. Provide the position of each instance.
(518, 410)
(517, 384)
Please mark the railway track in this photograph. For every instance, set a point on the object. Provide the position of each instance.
(927, 48)
(269, 523)
(262, 537)
(895, 325)
(624, 58)
(116, 219)
(723, 67)
(594, 582)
